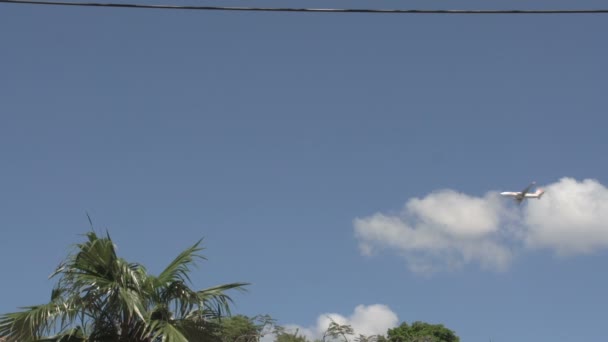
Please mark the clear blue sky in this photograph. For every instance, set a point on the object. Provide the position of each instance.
(269, 133)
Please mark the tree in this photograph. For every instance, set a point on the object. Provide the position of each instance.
(285, 337)
(371, 338)
(241, 328)
(101, 297)
(238, 328)
(335, 331)
(421, 332)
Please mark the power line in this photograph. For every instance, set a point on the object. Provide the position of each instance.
(306, 10)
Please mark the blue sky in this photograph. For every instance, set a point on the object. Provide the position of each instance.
(270, 134)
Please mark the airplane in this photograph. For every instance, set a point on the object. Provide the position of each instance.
(522, 195)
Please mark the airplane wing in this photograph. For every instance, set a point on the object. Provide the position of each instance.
(525, 191)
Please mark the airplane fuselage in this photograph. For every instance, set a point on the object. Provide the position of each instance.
(520, 195)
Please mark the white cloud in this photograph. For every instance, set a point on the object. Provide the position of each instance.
(571, 219)
(367, 320)
(443, 230)
(447, 229)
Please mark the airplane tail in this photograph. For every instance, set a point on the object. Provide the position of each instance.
(539, 193)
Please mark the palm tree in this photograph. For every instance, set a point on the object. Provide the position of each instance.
(101, 297)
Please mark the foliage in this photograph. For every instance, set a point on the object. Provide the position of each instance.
(422, 332)
(102, 297)
(371, 338)
(241, 328)
(335, 331)
(285, 337)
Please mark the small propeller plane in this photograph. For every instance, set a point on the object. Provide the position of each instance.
(525, 193)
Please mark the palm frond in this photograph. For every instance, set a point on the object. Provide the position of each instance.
(197, 330)
(180, 296)
(132, 302)
(179, 268)
(215, 301)
(32, 322)
(72, 335)
(165, 330)
(93, 258)
(101, 297)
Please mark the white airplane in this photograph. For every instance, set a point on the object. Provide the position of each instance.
(522, 195)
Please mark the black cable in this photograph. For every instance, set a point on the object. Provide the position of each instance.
(308, 10)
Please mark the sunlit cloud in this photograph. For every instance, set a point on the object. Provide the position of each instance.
(572, 219)
(366, 320)
(446, 230)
